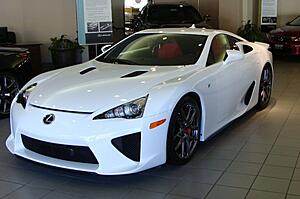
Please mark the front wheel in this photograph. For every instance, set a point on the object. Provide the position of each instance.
(265, 88)
(9, 88)
(184, 131)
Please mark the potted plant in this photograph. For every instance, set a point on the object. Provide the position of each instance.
(65, 52)
(251, 32)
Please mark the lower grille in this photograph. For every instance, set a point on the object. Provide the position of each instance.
(80, 154)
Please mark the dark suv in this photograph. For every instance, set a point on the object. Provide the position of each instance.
(15, 70)
(168, 15)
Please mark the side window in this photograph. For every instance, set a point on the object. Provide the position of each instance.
(247, 49)
(232, 42)
(218, 49)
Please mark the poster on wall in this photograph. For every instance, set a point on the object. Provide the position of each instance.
(94, 21)
(268, 12)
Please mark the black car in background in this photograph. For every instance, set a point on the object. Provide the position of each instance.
(15, 70)
(168, 15)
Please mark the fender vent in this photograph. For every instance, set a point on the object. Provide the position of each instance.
(134, 74)
(85, 71)
(249, 94)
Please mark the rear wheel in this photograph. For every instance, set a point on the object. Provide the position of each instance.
(184, 131)
(265, 88)
(9, 88)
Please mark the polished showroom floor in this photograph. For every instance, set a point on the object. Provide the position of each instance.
(256, 157)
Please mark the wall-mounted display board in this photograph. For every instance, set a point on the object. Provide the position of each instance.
(268, 14)
(94, 22)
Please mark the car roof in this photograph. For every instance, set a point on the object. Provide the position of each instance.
(200, 31)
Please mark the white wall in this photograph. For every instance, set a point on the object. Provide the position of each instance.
(230, 14)
(287, 10)
(39, 20)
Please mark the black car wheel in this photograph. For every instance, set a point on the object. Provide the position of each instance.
(9, 88)
(265, 88)
(184, 131)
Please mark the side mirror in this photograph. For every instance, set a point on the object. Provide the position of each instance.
(233, 55)
(288, 23)
(105, 48)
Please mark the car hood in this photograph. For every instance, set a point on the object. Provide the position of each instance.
(287, 30)
(92, 86)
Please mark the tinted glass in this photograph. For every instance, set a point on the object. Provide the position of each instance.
(232, 42)
(157, 49)
(173, 14)
(218, 49)
(247, 49)
(295, 22)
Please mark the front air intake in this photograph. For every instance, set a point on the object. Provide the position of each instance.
(81, 154)
(129, 145)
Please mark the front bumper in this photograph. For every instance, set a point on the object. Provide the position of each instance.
(80, 130)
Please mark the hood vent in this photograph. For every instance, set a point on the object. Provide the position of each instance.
(134, 74)
(85, 71)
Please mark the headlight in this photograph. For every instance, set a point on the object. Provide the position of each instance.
(131, 110)
(24, 95)
(297, 39)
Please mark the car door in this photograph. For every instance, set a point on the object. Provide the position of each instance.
(228, 80)
(233, 81)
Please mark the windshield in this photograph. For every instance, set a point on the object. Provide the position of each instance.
(167, 14)
(157, 50)
(295, 22)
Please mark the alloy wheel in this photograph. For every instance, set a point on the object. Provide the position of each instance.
(265, 86)
(9, 88)
(186, 130)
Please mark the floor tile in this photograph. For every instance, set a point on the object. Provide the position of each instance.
(257, 148)
(8, 187)
(172, 196)
(244, 168)
(284, 161)
(294, 188)
(227, 193)
(251, 157)
(289, 142)
(236, 180)
(191, 189)
(271, 184)
(156, 184)
(138, 194)
(28, 192)
(201, 175)
(221, 154)
(296, 175)
(254, 194)
(292, 197)
(214, 164)
(276, 172)
(285, 151)
(58, 195)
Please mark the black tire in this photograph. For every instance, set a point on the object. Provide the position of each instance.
(184, 131)
(9, 87)
(265, 88)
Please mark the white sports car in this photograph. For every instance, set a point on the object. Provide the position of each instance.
(146, 101)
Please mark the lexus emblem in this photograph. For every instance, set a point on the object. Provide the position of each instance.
(48, 119)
